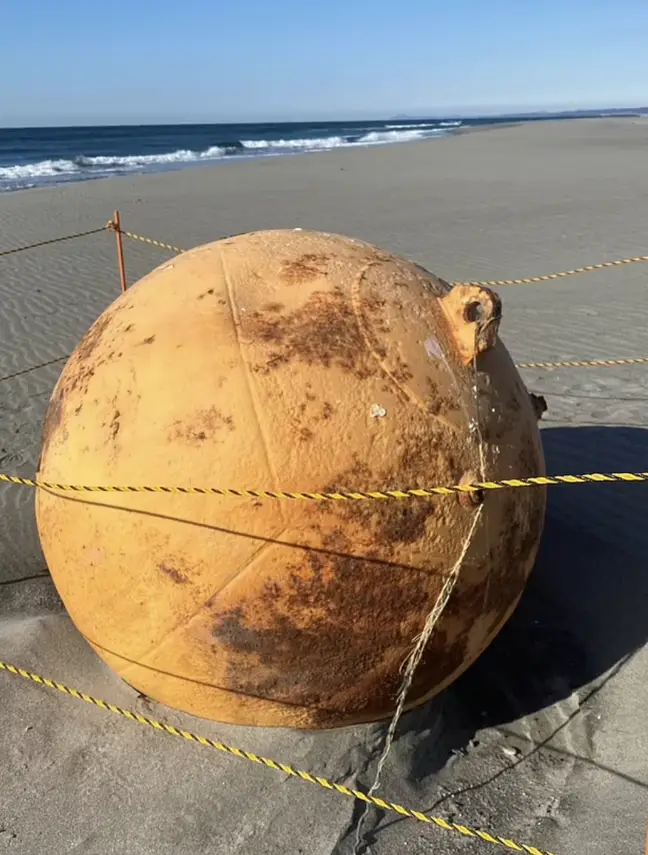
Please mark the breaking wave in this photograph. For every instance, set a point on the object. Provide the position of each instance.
(410, 132)
(103, 164)
(58, 170)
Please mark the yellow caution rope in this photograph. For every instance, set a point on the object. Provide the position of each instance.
(278, 767)
(475, 487)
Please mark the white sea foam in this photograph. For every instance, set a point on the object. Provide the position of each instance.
(183, 155)
(108, 161)
(18, 176)
(215, 151)
(421, 125)
(310, 143)
(101, 164)
(322, 143)
(394, 136)
(42, 169)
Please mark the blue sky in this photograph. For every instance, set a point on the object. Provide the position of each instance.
(74, 61)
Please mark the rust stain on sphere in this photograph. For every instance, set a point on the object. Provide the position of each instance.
(288, 360)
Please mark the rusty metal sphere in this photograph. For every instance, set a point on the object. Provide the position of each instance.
(289, 360)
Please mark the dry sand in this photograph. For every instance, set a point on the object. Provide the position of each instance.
(545, 739)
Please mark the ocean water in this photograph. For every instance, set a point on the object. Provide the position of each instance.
(32, 157)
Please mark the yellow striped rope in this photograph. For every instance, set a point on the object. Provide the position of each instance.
(475, 487)
(586, 363)
(490, 283)
(526, 280)
(110, 226)
(150, 241)
(278, 767)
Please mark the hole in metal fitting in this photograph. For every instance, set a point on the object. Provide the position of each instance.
(474, 311)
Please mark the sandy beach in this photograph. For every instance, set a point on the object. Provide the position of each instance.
(545, 739)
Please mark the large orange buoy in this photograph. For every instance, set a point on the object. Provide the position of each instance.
(289, 360)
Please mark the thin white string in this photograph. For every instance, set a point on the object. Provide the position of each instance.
(412, 663)
(420, 642)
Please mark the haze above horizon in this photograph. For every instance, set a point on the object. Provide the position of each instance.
(163, 62)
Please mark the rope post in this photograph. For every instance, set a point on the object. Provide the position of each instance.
(120, 251)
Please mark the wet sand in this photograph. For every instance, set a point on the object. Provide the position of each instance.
(545, 738)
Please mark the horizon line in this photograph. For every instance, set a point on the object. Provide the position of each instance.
(433, 114)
